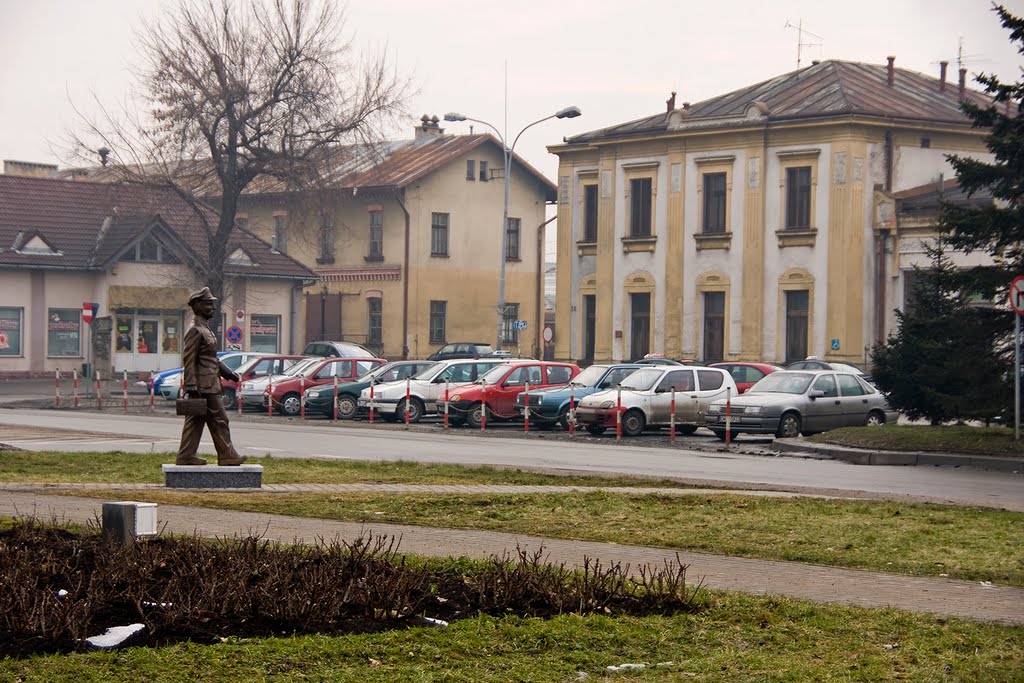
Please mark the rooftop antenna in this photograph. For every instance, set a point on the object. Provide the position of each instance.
(800, 44)
(962, 59)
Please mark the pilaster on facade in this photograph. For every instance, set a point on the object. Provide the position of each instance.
(753, 281)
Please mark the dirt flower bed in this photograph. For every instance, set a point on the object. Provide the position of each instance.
(59, 587)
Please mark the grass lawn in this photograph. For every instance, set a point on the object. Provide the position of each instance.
(935, 439)
(739, 639)
(921, 539)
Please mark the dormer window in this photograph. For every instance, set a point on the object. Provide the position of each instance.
(36, 246)
(239, 257)
(150, 250)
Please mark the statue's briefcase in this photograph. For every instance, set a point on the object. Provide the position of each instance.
(190, 406)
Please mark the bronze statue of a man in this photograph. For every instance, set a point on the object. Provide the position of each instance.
(201, 374)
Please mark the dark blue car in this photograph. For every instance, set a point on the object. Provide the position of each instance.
(550, 406)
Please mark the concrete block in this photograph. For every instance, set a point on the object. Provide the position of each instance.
(124, 521)
(213, 476)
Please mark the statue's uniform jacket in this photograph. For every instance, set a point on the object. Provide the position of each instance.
(202, 367)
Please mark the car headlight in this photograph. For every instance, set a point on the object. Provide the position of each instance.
(716, 408)
(607, 404)
(456, 397)
(539, 399)
(752, 410)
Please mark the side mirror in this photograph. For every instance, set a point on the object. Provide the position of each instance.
(816, 393)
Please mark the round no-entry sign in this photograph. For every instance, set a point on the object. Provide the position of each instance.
(1017, 295)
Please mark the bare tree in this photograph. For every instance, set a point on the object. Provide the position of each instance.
(231, 91)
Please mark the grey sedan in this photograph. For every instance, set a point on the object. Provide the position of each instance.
(793, 402)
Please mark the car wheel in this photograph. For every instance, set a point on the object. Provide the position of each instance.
(789, 426)
(596, 430)
(415, 410)
(475, 415)
(633, 423)
(720, 433)
(291, 404)
(874, 419)
(346, 406)
(563, 419)
(230, 399)
(686, 430)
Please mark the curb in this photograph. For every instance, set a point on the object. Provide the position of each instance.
(861, 456)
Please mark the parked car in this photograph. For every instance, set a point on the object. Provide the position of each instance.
(336, 349)
(463, 350)
(495, 393)
(251, 391)
(286, 396)
(171, 384)
(389, 399)
(320, 399)
(262, 366)
(746, 374)
(659, 359)
(551, 405)
(793, 402)
(647, 399)
(815, 363)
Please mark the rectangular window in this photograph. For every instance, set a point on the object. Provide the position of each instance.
(438, 313)
(509, 333)
(125, 334)
(640, 193)
(714, 326)
(149, 249)
(797, 309)
(172, 333)
(376, 235)
(714, 202)
(512, 230)
(375, 326)
(798, 197)
(439, 234)
(10, 331)
(640, 325)
(264, 333)
(148, 336)
(483, 171)
(326, 239)
(470, 169)
(63, 332)
(280, 239)
(589, 326)
(590, 213)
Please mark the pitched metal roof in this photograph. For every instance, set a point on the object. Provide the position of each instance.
(825, 90)
(89, 224)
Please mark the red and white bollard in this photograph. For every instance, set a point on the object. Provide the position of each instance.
(334, 412)
(270, 396)
(58, 387)
(302, 397)
(407, 390)
(672, 418)
(571, 415)
(483, 410)
(99, 396)
(371, 400)
(74, 388)
(152, 392)
(124, 388)
(618, 414)
(526, 410)
(728, 416)
(447, 388)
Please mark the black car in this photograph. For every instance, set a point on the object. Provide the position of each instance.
(463, 350)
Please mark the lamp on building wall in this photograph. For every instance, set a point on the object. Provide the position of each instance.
(507, 150)
(323, 312)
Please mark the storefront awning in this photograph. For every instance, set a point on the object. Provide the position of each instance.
(161, 298)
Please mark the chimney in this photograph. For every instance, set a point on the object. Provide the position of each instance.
(963, 83)
(428, 127)
(670, 104)
(942, 74)
(29, 169)
(891, 71)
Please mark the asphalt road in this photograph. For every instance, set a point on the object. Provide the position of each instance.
(77, 431)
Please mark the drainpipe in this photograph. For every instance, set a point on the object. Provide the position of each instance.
(538, 342)
(405, 279)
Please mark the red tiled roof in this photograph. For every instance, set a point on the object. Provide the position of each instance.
(89, 224)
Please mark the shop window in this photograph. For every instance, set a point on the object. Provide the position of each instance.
(125, 342)
(63, 332)
(172, 335)
(264, 333)
(148, 337)
(10, 331)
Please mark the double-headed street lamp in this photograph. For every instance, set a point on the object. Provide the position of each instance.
(567, 113)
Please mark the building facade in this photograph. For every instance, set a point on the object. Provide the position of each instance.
(757, 225)
(130, 249)
(406, 241)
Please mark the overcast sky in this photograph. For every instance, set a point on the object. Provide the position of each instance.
(616, 60)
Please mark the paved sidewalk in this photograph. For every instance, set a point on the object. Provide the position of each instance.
(972, 600)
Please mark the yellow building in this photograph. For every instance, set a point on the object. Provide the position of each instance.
(756, 225)
(406, 240)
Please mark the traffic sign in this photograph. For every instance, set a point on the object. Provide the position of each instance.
(1017, 295)
(549, 333)
(89, 310)
(234, 334)
(519, 324)
(240, 315)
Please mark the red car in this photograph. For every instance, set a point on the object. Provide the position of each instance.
(287, 395)
(746, 374)
(497, 389)
(270, 364)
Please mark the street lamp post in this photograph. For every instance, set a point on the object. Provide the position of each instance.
(567, 113)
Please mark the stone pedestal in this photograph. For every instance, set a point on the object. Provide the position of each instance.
(213, 477)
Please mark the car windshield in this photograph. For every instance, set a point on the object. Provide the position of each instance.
(248, 365)
(299, 368)
(643, 379)
(783, 383)
(589, 377)
(847, 368)
(494, 375)
(429, 371)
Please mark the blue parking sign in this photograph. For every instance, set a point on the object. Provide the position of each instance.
(835, 344)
